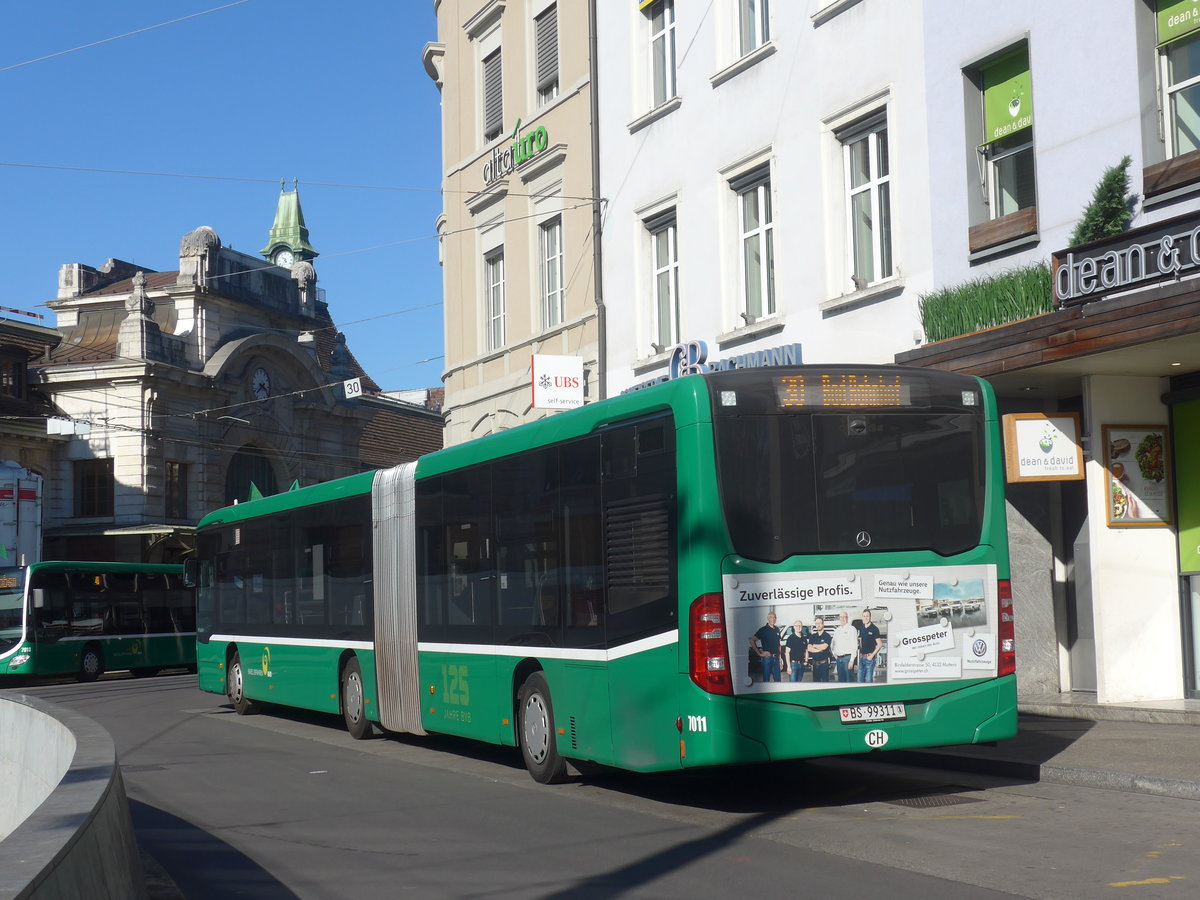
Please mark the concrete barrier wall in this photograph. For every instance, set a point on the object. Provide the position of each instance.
(35, 752)
(70, 836)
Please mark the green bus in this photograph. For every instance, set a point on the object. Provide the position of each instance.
(86, 618)
(602, 585)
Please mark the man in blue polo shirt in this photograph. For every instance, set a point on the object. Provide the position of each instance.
(818, 650)
(765, 642)
(869, 645)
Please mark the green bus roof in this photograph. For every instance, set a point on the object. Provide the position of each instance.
(688, 397)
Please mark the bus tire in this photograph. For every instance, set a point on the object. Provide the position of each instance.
(91, 663)
(354, 707)
(235, 688)
(538, 745)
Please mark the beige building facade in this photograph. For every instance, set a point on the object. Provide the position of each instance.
(517, 248)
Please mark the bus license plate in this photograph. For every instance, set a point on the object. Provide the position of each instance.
(872, 712)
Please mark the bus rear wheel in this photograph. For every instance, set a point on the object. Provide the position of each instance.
(354, 708)
(91, 663)
(535, 716)
(235, 688)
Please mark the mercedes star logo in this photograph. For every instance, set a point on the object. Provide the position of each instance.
(863, 539)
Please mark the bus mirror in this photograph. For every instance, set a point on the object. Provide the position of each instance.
(39, 598)
(191, 569)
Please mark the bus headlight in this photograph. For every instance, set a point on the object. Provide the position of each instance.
(18, 660)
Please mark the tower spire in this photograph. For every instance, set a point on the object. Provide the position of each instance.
(287, 242)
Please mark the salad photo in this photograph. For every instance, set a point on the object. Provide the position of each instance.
(1137, 464)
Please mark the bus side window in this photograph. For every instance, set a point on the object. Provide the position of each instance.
(50, 621)
(639, 529)
(581, 533)
(90, 612)
(151, 588)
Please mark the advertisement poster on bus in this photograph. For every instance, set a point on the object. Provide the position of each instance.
(819, 630)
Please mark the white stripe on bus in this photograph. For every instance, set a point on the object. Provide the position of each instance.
(124, 637)
(291, 642)
(666, 639)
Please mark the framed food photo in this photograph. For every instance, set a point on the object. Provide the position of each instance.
(1137, 475)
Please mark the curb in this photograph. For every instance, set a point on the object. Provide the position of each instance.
(1069, 775)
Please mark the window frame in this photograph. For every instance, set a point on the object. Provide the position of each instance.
(1169, 90)
(492, 114)
(756, 182)
(553, 300)
(876, 186)
(175, 489)
(669, 61)
(665, 225)
(754, 25)
(546, 80)
(94, 488)
(495, 336)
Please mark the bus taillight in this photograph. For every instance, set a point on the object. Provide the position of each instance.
(709, 649)
(1006, 631)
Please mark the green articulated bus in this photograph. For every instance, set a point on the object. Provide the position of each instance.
(86, 618)
(637, 582)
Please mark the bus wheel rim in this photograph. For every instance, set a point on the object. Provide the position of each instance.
(236, 692)
(537, 731)
(354, 698)
(91, 663)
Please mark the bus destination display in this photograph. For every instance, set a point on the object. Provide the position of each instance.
(842, 389)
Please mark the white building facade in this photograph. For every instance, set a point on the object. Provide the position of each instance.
(786, 180)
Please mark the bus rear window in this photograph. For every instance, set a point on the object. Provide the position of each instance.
(851, 482)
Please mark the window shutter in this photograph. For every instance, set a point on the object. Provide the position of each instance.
(1007, 96)
(493, 98)
(546, 30)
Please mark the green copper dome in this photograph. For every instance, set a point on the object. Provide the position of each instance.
(289, 229)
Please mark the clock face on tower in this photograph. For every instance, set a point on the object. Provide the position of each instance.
(260, 384)
(284, 257)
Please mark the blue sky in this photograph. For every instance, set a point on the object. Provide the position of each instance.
(328, 93)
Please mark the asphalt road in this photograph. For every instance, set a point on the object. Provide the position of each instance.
(287, 805)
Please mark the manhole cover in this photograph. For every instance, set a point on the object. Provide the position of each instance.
(934, 801)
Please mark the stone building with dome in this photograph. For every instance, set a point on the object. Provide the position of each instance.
(188, 390)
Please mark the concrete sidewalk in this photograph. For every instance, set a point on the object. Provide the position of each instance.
(1149, 748)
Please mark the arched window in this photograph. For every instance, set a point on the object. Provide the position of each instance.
(250, 465)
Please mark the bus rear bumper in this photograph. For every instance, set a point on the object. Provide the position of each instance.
(976, 713)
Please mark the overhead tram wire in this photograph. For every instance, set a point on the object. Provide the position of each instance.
(117, 37)
(245, 180)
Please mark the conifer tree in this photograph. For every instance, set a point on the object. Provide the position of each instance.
(1111, 208)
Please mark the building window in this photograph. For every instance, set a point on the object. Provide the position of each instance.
(754, 27)
(756, 225)
(12, 377)
(550, 253)
(868, 200)
(1008, 134)
(545, 35)
(493, 282)
(94, 487)
(664, 262)
(1181, 85)
(493, 96)
(176, 490)
(661, 16)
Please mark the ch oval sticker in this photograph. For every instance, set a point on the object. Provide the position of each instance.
(876, 738)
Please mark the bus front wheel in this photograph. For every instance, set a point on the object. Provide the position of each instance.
(354, 708)
(538, 744)
(235, 688)
(91, 663)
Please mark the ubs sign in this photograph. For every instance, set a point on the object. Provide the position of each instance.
(1158, 253)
